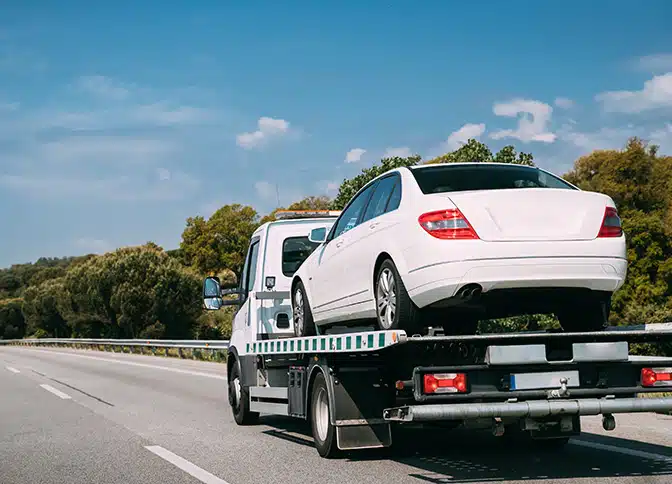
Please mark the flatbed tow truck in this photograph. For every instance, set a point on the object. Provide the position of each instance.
(355, 387)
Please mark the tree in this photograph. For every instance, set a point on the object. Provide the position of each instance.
(221, 242)
(474, 151)
(12, 323)
(349, 187)
(309, 203)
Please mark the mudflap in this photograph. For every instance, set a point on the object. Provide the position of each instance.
(360, 396)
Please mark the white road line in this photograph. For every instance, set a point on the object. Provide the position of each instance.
(183, 464)
(56, 392)
(13, 370)
(132, 363)
(623, 450)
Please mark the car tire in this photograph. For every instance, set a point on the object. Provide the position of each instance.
(324, 433)
(394, 307)
(588, 314)
(239, 398)
(304, 325)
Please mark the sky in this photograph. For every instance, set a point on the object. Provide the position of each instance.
(119, 122)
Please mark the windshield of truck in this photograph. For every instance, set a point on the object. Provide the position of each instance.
(295, 250)
(458, 178)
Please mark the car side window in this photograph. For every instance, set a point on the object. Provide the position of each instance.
(395, 197)
(379, 198)
(350, 217)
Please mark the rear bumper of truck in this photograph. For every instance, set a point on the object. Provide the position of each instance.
(531, 409)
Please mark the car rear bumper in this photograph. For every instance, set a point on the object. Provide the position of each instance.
(433, 283)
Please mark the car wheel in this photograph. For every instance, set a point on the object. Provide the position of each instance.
(394, 308)
(324, 433)
(585, 315)
(301, 313)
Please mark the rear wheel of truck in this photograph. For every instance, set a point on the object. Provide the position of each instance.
(324, 433)
(587, 314)
(239, 399)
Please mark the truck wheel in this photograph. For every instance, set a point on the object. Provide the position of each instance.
(589, 314)
(324, 433)
(301, 313)
(394, 308)
(239, 399)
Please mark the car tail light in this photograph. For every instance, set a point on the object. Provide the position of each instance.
(611, 224)
(656, 377)
(445, 383)
(447, 224)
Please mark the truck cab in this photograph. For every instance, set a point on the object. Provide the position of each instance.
(276, 251)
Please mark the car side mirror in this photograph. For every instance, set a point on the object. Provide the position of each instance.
(212, 294)
(318, 236)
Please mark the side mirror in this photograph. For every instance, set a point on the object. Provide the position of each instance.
(212, 294)
(318, 236)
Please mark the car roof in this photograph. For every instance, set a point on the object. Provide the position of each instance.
(469, 163)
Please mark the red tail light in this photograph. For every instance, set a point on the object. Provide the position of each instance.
(611, 224)
(445, 383)
(656, 377)
(447, 224)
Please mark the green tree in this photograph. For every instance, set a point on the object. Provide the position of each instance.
(12, 322)
(220, 242)
(309, 203)
(40, 309)
(349, 187)
(474, 151)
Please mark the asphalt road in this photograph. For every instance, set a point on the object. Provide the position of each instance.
(72, 417)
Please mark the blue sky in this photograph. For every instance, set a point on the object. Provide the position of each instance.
(119, 122)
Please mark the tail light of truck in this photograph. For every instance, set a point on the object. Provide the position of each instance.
(611, 224)
(447, 224)
(434, 383)
(656, 377)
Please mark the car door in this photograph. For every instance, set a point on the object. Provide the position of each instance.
(330, 293)
(243, 318)
(368, 242)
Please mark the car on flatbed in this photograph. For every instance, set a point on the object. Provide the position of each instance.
(453, 244)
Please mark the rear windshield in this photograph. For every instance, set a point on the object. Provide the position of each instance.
(294, 251)
(458, 178)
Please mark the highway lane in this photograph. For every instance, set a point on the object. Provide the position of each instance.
(132, 418)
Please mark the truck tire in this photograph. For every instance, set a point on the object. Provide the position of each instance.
(304, 325)
(324, 433)
(394, 308)
(586, 315)
(239, 399)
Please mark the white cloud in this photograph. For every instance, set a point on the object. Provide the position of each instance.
(328, 187)
(656, 93)
(120, 188)
(163, 174)
(663, 138)
(462, 135)
(266, 191)
(655, 62)
(268, 128)
(532, 125)
(564, 102)
(605, 138)
(104, 149)
(354, 155)
(401, 152)
(102, 86)
(92, 245)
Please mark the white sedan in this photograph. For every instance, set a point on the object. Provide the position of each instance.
(451, 244)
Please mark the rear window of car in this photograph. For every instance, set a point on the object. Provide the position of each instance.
(458, 178)
(295, 250)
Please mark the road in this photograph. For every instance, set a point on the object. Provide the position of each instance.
(94, 417)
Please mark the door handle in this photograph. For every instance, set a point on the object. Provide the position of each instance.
(338, 244)
(374, 225)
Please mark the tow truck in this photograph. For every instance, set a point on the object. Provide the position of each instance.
(355, 385)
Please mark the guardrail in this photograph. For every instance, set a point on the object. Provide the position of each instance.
(211, 346)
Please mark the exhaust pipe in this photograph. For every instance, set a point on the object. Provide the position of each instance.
(470, 291)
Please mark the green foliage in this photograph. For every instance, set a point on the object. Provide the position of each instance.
(476, 152)
(309, 203)
(351, 186)
(12, 322)
(221, 242)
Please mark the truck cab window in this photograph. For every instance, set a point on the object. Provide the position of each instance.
(251, 273)
(295, 250)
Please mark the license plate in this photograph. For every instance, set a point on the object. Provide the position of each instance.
(543, 381)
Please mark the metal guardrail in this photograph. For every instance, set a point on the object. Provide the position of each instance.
(208, 345)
